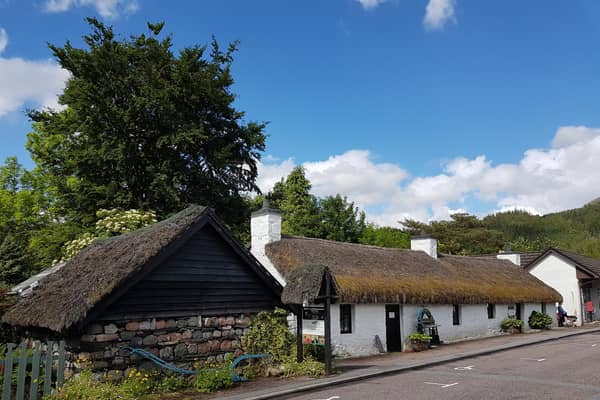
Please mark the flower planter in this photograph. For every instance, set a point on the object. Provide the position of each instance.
(512, 330)
(418, 345)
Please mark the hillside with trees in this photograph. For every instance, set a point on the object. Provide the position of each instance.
(576, 230)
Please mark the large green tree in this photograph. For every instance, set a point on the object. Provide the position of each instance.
(300, 209)
(303, 214)
(385, 236)
(145, 128)
(340, 219)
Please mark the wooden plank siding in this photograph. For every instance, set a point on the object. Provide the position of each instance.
(205, 277)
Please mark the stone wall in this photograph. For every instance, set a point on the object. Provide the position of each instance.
(182, 341)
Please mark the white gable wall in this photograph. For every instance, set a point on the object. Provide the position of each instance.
(562, 276)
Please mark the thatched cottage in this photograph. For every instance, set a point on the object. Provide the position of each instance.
(183, 289)
(379, 291)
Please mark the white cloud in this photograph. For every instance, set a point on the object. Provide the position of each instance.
(106, 8)
(546, 180)
(370, 4)
(24, 81)
(270, 172)
(3, 40)
(437, 13)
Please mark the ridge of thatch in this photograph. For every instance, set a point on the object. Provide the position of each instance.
(371, 274)
(65, 297)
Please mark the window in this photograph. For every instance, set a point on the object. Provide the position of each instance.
(345, 318)
(455, 314)
(544, 308)
(491, 310)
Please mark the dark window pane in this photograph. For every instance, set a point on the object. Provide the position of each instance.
(491, 311)
(455, 314)
(345, 318)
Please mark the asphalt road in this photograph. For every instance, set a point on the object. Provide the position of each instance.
(563, 369)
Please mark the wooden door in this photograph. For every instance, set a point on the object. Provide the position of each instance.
(519, 311)
(392, 327)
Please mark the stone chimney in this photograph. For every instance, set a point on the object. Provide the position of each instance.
(424, 243)
(265, 227)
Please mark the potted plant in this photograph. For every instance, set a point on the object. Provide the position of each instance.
(419, 341)
(511, 325)
(538, 320)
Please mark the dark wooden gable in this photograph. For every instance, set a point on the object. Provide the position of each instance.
(205, 276)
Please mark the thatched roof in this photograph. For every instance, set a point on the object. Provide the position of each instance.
(370, 274)
(306, 283)
(65, 298)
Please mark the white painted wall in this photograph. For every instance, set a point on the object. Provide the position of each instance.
(368, 320)
(562, 276)
(474, 321)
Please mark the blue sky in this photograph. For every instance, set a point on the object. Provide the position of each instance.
(410, 108)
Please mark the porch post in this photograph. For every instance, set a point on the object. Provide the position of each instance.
(327, 323)
(299, 344)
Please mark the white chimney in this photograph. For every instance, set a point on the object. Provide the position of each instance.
(424, 243)
(514, 258)
(265, 227)
(508, 254)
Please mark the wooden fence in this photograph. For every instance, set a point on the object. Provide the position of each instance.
(32, 373)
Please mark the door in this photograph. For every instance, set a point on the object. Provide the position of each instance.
(392, 327)
(519, 311)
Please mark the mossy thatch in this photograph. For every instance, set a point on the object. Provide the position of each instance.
(370, 274)
(306, 284)
(64, 298)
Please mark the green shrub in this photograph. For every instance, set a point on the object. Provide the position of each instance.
(211, 379)
(173, 383)
(508, 323)
(138, 384)
(538, 320)
(419, 337)
(315, 351)
(308, 367)
(269, 333)
(86, 387)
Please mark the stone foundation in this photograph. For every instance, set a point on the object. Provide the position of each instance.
(183, 342)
